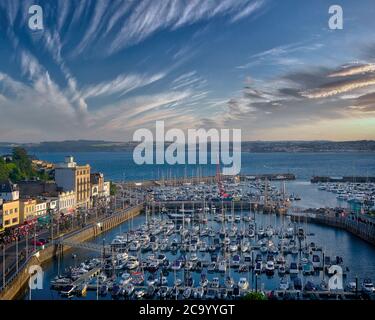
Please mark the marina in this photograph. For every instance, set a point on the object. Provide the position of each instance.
(212, 250)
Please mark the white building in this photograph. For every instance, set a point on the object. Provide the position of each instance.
(67, 201)
(9, 191)
(40, 208)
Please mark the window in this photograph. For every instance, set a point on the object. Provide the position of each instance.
(14, 220)
(7, 222)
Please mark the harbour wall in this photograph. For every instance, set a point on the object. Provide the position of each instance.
(364, 230)
(208, 179)
(20, 279)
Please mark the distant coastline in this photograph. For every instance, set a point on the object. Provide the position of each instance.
(247, 146)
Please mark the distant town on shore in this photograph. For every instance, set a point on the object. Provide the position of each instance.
(247, 146)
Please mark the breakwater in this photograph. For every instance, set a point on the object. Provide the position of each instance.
(20, 279)
(362, 228)
(208, 179)
(352, 179)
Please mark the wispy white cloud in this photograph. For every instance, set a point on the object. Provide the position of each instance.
(121, 85)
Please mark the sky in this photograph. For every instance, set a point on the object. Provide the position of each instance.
(103, 69)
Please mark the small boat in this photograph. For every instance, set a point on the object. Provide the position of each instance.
(215, 283)
(211, 267)
(103, 290)
(270, 268)
(222, 267)
(132, 263)
(243, 284)
(176, 265)
(128, 289)
(297, 283)
(177, 282)
(309, 286)
(236, 260)
(282, 270)
(204, 281)
(258, 268)
(316, 261)
(367, 286)
(229, 283)
(351, 286)
(243, 268)
(116, 291)
(198, 293)
(233, 248)
(162, 281)
(293, 269)
(187, 293)
(139, 293)
(163, 291)
(211, 294)
(307, 268)
(284, 284)
(150, 292)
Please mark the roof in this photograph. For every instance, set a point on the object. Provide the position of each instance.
(7, 186)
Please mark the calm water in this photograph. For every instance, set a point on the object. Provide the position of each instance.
(358, 256)
(120, 165)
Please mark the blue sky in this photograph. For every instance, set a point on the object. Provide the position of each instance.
(102, 69)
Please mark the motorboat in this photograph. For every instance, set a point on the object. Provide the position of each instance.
(293, 268)
(162, 281)
(103, 290)
(198, 293)
(270, 268)
(128, 289)
(258, 268)
(243, 284)
(367, 286)
(204, 281)
(281, 270)
(222, 267)
(211, 294)
(151, 280)
(233, 247)
(187, 293)
(211, 267)
(236, 260)
(132, 263)
(297, 283)
(215, 283)
(307, 268)
(284, 284)
(178, 282)
(316, 261)
(176, 265)
(229, 283)
(139, 293)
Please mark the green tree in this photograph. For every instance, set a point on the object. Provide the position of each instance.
(255, 296)
(113, 189)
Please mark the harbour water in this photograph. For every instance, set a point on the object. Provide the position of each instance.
(120, 165)
(358, 256)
